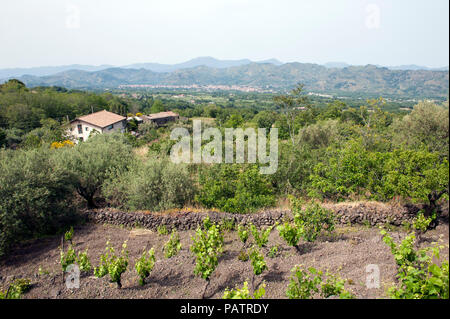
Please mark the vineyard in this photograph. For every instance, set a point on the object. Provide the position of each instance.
(309, 257)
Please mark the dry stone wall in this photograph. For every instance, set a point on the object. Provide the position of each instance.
(365, 213)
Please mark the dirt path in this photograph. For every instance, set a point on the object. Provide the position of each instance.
(347, 253)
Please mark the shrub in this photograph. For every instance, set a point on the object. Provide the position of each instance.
(345, 171)
(68, 235)
(234, 188)
(352, 170)
(207, 224)
(418, 276)
(144, 265)
(290, 233)
(173, 245)
(261, 237)
(207, 245)
(258, 262)
(162, 230)
(421, 223)
(16, 289)
(305, 284)
(35, 196)
(67, 259)
(273, 252)
(244, 293)
(113, 265)
(243, 256)
(313, 220)
(308, 223)
(83, 261)
(227, 225)
(428, 125)
(243, 233)
(154, 185)
(419, 175)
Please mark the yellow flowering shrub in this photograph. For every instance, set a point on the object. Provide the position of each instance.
(61, 144)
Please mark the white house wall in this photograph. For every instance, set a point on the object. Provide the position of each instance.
(88, 128)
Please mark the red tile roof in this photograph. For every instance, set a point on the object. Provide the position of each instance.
(101, 119)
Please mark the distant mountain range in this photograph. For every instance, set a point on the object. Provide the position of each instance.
(414, 67)
(49, 70)
(362, 80)
(201, 61)
(158, 67)
(155, 67)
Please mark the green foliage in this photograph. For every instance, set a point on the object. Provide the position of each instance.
(67, 258)
(419, 277)
(68, 235)
(234, 188)
(243, 256)
(42, 271)
(265, 119)
(162, 230)
(305, 284)
(157, 107)
(273, 252)
(419, 175)
(227, 224)
(207, 224)
(144, 265)
(92, 162)
(173, 245)
(113, 265)
(261, 237)
(243, 233)
(156, 184)
(2, 138)
(83, 261)
(207, 245)
(313, 220)
(234, 121)
(35, 196)
(421, 223)
(290, 233)
(70, 257)
(290, 105)
(346, 171)
(257, 261)
(244, 293)
(333, 285)
(308, 223)
(16, 289)
(354, 171)
(427, 124)
(25, 109)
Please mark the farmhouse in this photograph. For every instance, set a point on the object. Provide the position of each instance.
(98, 122)
(161, 118)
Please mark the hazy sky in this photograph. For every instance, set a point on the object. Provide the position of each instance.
(57, 32)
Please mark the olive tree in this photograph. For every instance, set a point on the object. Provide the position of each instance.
(92, 162)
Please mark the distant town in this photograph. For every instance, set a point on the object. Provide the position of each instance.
(210, 87)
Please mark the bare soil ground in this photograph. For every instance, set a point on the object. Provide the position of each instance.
(346, 253)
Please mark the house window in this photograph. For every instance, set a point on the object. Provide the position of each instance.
(87, 128)
(110, 127)
(80, 129)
